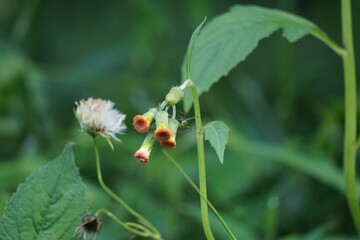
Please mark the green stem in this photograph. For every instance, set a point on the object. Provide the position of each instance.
(350, 113)
(202, 166)
(328, 41)
(118, 199)
(131, 227)
(168, 156)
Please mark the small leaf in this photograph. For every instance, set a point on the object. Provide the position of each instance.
(49, 205)
(216, 133)
(229, 38)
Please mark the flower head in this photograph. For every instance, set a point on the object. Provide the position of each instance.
(171, 142)
(90, 224)
(98, 117)
(143, 154)
(162, 131)
(142, 122)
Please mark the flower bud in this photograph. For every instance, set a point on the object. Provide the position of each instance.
(171, 142)
(174, 96)
(142, 122)
(143, 154)
(162, 131)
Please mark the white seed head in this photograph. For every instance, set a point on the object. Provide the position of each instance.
(97, 116)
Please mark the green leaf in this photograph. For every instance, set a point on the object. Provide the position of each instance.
(49, 205)
(191, 48)
(229, 38)
(216, 132)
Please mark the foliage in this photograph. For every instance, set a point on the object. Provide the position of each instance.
(49, 205)
(229, 38)
(284, 106)
(216, 132)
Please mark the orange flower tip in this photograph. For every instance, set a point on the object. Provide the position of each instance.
(141, 157)
(168, 143)
(162, 134)
(141, 124)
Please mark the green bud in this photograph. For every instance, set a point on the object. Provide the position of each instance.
(174, 96)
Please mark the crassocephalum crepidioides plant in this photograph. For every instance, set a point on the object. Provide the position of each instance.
(162, 127)
(161, 124)
(98, 117)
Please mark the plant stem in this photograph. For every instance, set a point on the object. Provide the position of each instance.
(168, 156)
(328, 41)
(201, 163)
(131, 227)
(118, 199)
(350, 113)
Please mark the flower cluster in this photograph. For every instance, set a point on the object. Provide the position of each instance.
(158, 124)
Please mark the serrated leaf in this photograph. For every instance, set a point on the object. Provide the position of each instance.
(49, 205)
(216, 132)
(229, 38)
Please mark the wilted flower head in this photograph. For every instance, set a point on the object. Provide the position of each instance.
(98, 117)
(142, 122)
(162, 131)
(171, 142)
(143, 154)
(90, 224)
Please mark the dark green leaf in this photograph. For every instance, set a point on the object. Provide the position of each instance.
(229, 38)
(216, 133)
(49, 205)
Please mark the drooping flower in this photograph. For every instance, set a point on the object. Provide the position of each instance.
(142, 122)
(171, 142)
(162, 131)
(143, 154)
(98, 117)
(90, 224)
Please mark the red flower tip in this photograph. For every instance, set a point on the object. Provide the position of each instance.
(141, 157)
(168, 143)
(141, 124)
(162, 134)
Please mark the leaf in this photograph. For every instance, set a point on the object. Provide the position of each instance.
(229, 38)
(49, 205)
(216, 132)
(191, 48)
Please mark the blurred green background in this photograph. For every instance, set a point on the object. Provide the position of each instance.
(282, 176)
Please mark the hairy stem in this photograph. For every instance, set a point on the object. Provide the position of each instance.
(350, 114)
(156, 234)
(202, 167)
